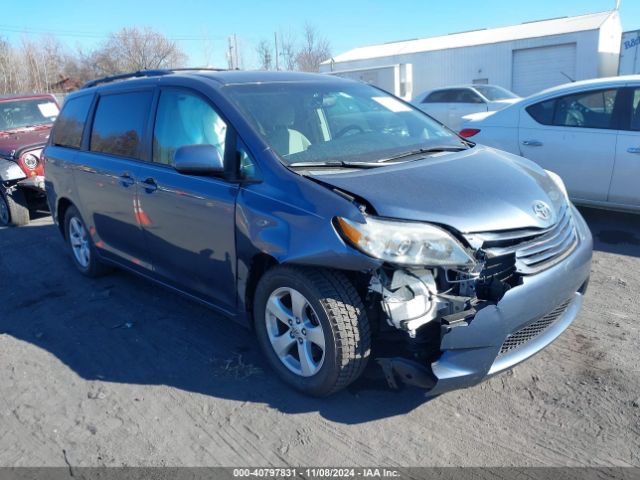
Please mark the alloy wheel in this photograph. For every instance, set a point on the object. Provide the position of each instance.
(295, 332)
(79, 242)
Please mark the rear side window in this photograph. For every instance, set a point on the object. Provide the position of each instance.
(67, 131)
(441, 96)
(184, 118)
(454, 95)
(584, 110)
(118, 126)
(635, 111)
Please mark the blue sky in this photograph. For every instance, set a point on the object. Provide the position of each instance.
(203, 27)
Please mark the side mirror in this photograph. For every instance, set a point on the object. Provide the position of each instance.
(198, 160)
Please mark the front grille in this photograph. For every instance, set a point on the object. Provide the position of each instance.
(535, 249)
(531, 331)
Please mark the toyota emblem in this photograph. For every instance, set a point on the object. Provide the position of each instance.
(542, 210)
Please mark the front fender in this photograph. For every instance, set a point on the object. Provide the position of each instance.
(298, 234)
(10, 171)
(293, 235)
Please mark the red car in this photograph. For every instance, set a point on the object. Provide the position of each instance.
(25, 123)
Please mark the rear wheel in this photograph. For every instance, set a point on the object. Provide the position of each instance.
(13, 208)
(312, 327)
(81, 246)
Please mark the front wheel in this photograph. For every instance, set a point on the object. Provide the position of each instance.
(312, 327)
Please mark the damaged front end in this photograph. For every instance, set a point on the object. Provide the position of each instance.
(425, 304)
(452, 309)
(422, 304)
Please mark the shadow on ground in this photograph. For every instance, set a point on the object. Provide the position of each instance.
(121, 328)
(614, 232)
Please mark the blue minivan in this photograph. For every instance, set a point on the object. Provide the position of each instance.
(339, 223)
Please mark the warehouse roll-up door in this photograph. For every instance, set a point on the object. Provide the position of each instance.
(535, 69)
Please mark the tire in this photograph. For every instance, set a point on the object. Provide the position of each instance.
(332, 304)
(81, 248)
(14, 210)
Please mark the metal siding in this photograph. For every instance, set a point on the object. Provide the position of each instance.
(440, 68)
(383, 77)
(535, 69)
(524, 31)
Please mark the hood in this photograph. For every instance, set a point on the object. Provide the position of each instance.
(15, 140)
(477, 190)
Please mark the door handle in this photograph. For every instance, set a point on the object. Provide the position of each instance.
(633, 149)
(532, 143)
(149, 185)
(126, 180)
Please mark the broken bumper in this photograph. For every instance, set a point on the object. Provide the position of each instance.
(35, 182)
(528, 318)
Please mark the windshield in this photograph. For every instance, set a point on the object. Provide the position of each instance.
(493, 93)
(16, 114)
(337, 122)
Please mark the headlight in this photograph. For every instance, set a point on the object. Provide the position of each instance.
(30, 160)
(405, 243)
(559, 183)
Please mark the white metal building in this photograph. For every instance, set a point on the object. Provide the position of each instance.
(524, 58)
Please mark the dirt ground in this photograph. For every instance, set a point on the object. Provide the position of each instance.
(117, 371)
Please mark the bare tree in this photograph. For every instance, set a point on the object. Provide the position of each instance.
(207, 47)
(287, 51)
(7, 68)
(315, 49)
(265, 55)
(133, 49)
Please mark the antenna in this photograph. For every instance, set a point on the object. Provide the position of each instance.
(617, 5)
(565, 75)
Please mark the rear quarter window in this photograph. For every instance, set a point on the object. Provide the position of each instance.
(542, 112)
(67, 131)
(119, 123)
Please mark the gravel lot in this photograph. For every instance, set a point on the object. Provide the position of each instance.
(117, 371)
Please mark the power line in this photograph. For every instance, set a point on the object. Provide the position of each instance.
(81, 34)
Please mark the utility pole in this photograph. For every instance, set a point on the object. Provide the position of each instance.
(230, 55)
(235, 44)
(275, 39)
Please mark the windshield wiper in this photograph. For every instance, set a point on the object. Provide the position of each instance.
(333, 163)
(420, 151)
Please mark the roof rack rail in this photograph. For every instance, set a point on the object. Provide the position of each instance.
(124, 76)
(196, 69)
(147, 73)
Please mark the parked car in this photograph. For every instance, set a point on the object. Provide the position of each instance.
(588, 132)
(25, 122)
(337, 221)
(449, 105)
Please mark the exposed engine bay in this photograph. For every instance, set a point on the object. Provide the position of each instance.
(425, 303)
(412, 297)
